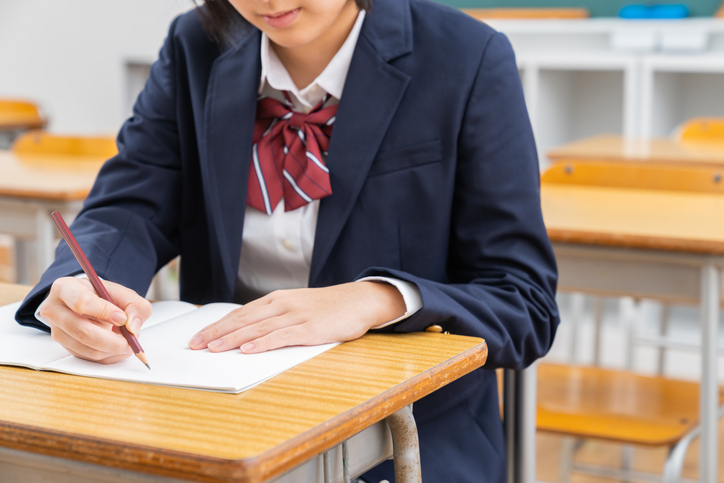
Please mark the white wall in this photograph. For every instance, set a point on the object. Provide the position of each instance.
(73, 56)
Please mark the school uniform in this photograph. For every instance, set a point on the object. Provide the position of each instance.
(435, 183)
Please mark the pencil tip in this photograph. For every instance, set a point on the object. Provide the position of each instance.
(142, 357)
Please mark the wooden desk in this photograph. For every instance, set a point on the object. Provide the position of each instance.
(664, 245)
(618, 148)
(204, 436)
(31, 188)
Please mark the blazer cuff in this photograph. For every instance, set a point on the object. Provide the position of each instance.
(410, 294)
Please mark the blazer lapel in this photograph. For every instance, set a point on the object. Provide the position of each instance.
(371, 96)
(226, 149)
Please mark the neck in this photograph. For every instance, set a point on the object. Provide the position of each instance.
(304, 63)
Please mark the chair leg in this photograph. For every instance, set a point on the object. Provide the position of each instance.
(663, 331)
(628, 314)
(598, 307)
(675, 461)
(577, 308)
(568, 448)
(627, 462)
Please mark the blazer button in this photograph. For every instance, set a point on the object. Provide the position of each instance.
(434, 328)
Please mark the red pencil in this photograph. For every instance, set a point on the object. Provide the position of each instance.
(96, 282)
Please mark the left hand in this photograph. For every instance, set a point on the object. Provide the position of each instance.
(308, 316)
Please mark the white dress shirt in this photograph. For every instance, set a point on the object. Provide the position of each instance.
(276, 250)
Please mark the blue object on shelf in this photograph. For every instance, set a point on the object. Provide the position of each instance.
(669, 11)
(654, 11)
(635, 11)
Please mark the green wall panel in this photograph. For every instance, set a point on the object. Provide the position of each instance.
(598, 8)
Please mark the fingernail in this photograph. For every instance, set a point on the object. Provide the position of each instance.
(247, 347)
(196, 341)
(215, 343)
(135, 325)
(119, 318)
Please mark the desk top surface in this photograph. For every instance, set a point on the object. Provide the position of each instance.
(617, 148)
(209, 436)
(634, 218)
(46, 177)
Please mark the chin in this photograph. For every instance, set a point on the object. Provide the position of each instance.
(290, 40)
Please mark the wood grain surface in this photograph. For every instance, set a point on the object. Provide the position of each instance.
(206, 436)
(593, 402)
(617, 148)
(47, 177)
(634, 218)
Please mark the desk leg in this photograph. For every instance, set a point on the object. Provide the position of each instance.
(709, 380)
(22, 262)
(405, 446)
(45, 231)
(520, 399)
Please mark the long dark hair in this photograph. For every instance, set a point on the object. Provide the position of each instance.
(221, 20)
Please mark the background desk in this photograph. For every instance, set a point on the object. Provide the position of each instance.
(204, 436)
(659, 244)
(618, 148)
(30, 189)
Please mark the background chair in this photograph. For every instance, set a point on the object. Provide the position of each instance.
(44, 143)
(618, 406)
(701, 130)
(17, 116)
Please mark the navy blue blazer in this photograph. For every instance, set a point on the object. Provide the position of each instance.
(435, 181)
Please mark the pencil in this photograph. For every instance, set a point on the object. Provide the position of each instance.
(96, 282)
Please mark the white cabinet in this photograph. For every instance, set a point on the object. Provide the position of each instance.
(635, 78)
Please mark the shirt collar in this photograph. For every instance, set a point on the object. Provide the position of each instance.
(331, 80)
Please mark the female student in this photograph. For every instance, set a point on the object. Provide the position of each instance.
(338, 166)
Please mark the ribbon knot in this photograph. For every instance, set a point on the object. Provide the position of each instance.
(297, 119)
(287, 160)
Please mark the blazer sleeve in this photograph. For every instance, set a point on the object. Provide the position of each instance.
(501, 268)
(129, 217)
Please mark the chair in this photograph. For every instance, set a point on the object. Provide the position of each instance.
(17, 116)
(701, 130)
(622, 407)
(527, 13)
(720, 12)
(41, 142)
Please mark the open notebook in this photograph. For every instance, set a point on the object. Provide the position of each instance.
(164, 338)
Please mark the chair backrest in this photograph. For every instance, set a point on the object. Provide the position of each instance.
(720, 12)
(41, 142)
(17, 114)
(637, 174)
(527, 13)
(701, 130)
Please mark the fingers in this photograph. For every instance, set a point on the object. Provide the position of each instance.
(83, 323)
(137, 308)
(89, 339)
(78, 295)
(235, 328)
(284, 337)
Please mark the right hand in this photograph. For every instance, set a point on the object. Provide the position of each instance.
(88, 326)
